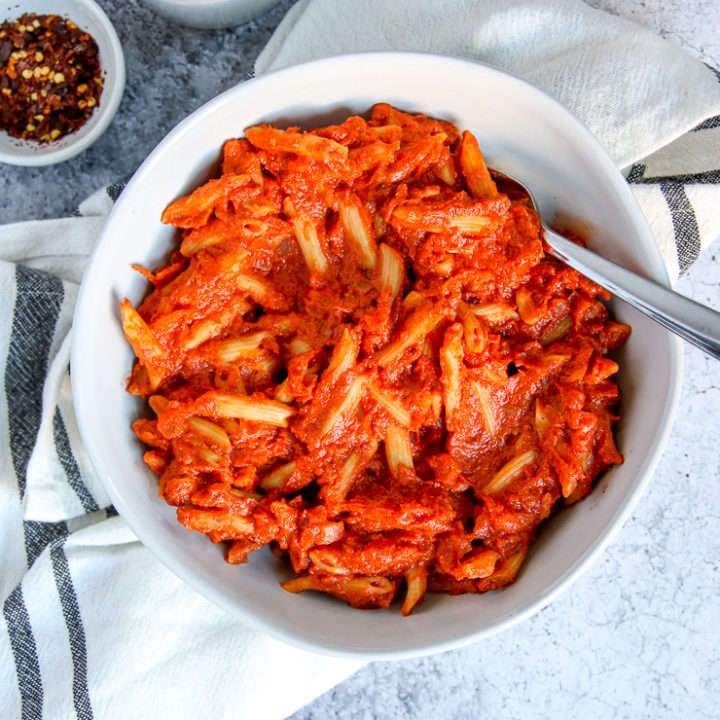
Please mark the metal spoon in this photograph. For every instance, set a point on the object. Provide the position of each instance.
(698, 324)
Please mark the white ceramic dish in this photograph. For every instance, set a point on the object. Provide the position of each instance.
(87, 15)
(522, 131)
(210, 14)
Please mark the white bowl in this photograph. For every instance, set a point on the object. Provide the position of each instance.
(88, 16)
(210, 14)
(521, 130)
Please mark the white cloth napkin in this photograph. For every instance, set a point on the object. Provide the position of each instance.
(93, 626)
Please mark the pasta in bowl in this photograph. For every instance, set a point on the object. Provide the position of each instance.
(367, 362)
(362, 356)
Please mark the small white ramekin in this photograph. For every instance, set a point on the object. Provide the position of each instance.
(88, 16)
(210, 14)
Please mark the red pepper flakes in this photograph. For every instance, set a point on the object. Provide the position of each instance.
(50, 80)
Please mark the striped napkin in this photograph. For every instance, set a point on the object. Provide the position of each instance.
(93, 626)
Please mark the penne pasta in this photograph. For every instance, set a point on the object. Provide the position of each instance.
(241, 407)
(210, 430)
(397, 410)
(451, 362)
(346, 405)
(509, 471)
(398, 448)
(307, 237)
(416, 328)
(359, 284)
(146, 347)
(392, 270)
(486, 409)
(472, 165)
(494, 312)
(358, 227)
(344, 354)
(278, 477)
(245, 346)
(416, 580)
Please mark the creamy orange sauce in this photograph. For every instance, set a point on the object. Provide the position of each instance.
(362, 356)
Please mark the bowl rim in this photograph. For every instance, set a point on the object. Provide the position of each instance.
(113, 62)
(300, 639)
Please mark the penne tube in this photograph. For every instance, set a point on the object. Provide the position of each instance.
(398, 448)
(344, 354)
(479, 564)
(210, 457)
(392, 270)
(494, 312)
(298, 347)
(416, 328)
(278, 477)
(528, 310)
(352, 467)
(509, 471)
(245, 346)
(370, 585)
(558, 331)
(146, 347)
(486, 408)
(474, 170)
(472, 224)
(242, 407)
(195, 209)
(283, 394)
(451, 361)
(217, 523)
(307, 237)
(311, 146)
(396, 409)
(211, 431)
(320, 559)
(416, 579)
(348, 404)
(358, 227)
(464, 220)
(201, 332)
(542, 420)
(446, 172)
(258, 289)
(158, 403)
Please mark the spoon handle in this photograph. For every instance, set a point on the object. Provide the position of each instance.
(698, 324)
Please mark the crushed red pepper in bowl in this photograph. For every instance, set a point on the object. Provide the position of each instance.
(50, 77)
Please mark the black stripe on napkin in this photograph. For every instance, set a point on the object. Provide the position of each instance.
(38, 300)
(38, 535)
(708, 124)
(76, 632)
(115, 189)
(687, 233)
(637, 177)
(22, 642)
(715, 71)
(67, 460)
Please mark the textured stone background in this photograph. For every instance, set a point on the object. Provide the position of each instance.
(638, 635)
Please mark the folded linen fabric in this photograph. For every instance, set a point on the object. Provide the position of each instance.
(93, 625)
